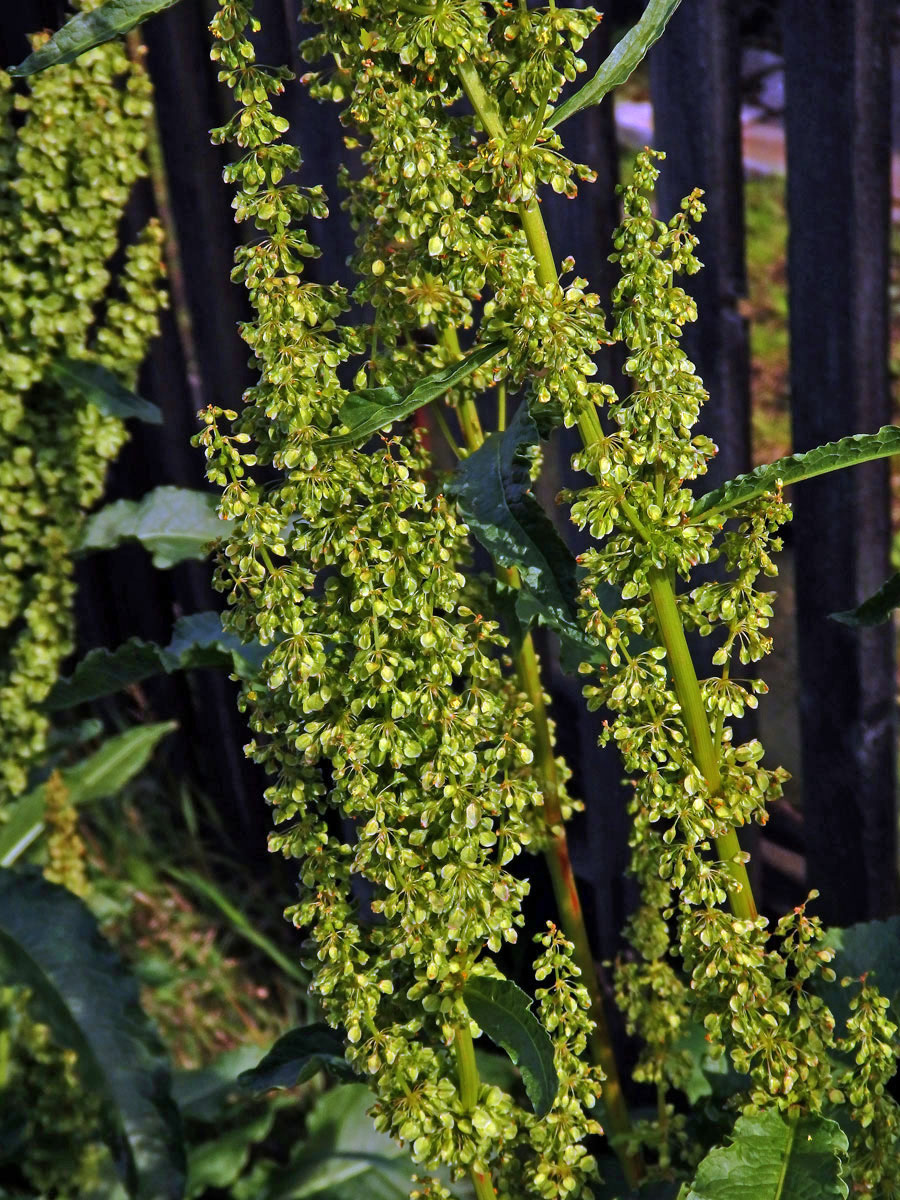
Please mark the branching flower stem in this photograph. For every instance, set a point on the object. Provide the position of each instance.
(559, 863)
(467, 1076)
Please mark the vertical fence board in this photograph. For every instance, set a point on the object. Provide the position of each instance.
(695, 84)
(836, 54)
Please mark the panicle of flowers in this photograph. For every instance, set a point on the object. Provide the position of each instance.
(68, 161)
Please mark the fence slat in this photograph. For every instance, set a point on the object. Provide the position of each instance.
(695, 84)
(836, 57)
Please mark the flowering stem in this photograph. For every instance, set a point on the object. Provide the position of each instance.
(467, 1075)
(693, 712)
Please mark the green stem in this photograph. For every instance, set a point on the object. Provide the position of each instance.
(469, 1082)
(557, 855)
(441, 422)
(694, 715)
(501, 406)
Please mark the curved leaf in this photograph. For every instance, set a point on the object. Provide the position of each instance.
(877, 609)
(109, 768)
(493, 490)
(102, 389)
(49, 942)
(833, 456)
(503, 1011)
(371, 409)
(172, 523)
(869, 948)
(296, 1057)
(198, 642)
(621, 61)
(88, 29)
(773, 1159)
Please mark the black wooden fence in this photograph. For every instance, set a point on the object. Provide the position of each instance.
(839, 163)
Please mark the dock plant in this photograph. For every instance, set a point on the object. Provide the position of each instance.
(400, 710)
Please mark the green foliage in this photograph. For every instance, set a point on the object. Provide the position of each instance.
(91, 382)
(296, 1058)
(101, 774)
(71, 148)
(619, 64)
(876, 609)
(172, 523)
(771, 1158)
(198, 641)
(80, 989)
(834, 456)
(503, 1011)
(364, 413)
(88, 29)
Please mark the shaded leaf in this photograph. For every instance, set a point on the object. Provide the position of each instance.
(493, 490)
(88, 29)
(219, 1162)
(371, 409)
(198, 642)
(50, 943)
(201, 1093)
(345, 1157)
(773, 1159)
(833, 456)
(869, 948)
(877, 609)
(102, 389)
(296, 1057)
(621, 60)
(503, 1011)
(171, 523)
(102, 774)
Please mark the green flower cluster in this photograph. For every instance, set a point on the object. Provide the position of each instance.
(401, 754)
(70, 151)
(753, 989)
(58, 1149)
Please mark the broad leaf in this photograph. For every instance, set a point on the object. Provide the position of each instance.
(833, 456)
(877, 609)
(493, 490)
(365, 412)
(107, 770)
(869, 948)
(88, 29)
(202, 1093)
(102, 389)
(198, 642)
(621, 61)
(296, 1057)
(503, 1011)
(49, 942)
(219, 1162)
(172, 523)
(771, 1158)
(344, 1158)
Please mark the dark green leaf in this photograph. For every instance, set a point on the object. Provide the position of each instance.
(296, 1057)
(877, 609)
(771, 1158)
(202, 1093)
(88, 29)
(345, 1157)
(103, 672)
(101, 388)
(503, 1011)
(172, 523)
(869, 948)
(107, 770)
(493, 490)
(365, 412)
(833, 456)
(198, 642)
(621, 61)
(49, 942)
(219, 1162)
